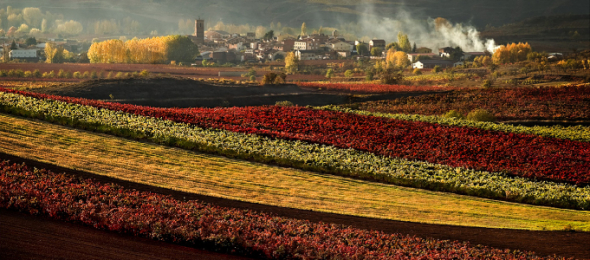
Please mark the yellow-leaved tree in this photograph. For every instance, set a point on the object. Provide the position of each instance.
(291, 63)
(397, 59)
(150, 50)
(511, 53)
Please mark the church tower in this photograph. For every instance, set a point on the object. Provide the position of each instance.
(200, 31)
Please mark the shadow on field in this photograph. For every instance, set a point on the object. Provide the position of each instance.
(177, 92)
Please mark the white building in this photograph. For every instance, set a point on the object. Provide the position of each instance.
(429, 64)
(308, 55)
(23, 54)
(342, 46)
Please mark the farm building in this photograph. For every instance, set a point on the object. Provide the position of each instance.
(29, 54)
(309, 55)
(414, 56)
(377, 44)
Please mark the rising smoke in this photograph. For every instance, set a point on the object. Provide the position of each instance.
(428, 33)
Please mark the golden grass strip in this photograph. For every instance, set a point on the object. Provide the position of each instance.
(211, 175)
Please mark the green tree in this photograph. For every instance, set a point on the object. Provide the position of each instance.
(369, 74)
(376, 51)
(404, 42)
(31, 41)
(269, 35)
(414, 48)
(362, 48)
(182, 49)
(393, 45)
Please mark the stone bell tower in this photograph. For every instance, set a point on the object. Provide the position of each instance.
(200, 31)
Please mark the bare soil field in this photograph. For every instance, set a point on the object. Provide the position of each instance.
(37, 237)
(178, 92)
(562, 243)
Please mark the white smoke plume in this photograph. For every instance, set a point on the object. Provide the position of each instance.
(423, 33)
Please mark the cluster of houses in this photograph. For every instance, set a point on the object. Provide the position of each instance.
(222, 47)
(35, 53)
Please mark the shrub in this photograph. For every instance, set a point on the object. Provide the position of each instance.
(93, 75)
(28, 74)
(390, 77)
(144, 73)
(454, 114)
(481, 115)
(369, 75)
(19, 73)
(37, 74)
(119, 75)
(109, 75)
(2, 73)
(68, 75)
(279, 81)
(436, 69)
(487, 83)
(61, 74)
(348, 74)
(77, 75)
(86, 75)
(269, 78)
(51, 74)
(417, 72)
(284, 103)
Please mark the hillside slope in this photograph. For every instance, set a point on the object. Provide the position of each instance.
(313, 12)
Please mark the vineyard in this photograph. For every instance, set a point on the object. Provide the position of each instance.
(362, 150)
(110, 207)
(347, 162)
(517, 154)
(524, 103)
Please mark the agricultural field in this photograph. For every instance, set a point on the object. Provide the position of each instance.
(331, 156)
(566, 103)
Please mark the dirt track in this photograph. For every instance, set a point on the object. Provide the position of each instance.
(568, 244)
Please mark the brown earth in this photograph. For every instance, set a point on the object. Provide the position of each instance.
(182, 92)
(567, 244)
(35, 237)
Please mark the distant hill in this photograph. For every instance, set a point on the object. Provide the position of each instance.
(550, 33)
(314, 12)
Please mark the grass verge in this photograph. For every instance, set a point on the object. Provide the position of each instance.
(211, 175)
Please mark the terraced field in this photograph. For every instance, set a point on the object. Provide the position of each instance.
(217, 176)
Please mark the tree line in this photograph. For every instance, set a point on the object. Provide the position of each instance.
(153, 50)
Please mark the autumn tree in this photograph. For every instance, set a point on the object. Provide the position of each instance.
(397, 59)
(303, 29)
(291, 63)
(511, 53)
(53, 53)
